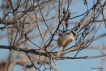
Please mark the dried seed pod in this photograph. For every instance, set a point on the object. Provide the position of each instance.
(64, 11)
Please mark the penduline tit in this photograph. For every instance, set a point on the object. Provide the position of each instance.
(64, 40)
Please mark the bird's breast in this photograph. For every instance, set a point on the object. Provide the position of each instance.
(65, 41)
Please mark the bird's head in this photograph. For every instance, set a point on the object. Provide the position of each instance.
(74, 33)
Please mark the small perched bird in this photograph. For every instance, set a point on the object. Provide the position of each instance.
(64, 40)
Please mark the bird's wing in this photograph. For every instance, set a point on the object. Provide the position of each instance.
(68, 42)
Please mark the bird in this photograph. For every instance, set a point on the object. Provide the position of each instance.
(64, 40)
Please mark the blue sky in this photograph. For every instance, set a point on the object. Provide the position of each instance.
(77, 64)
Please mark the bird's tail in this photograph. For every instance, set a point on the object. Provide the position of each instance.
(59, 52)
